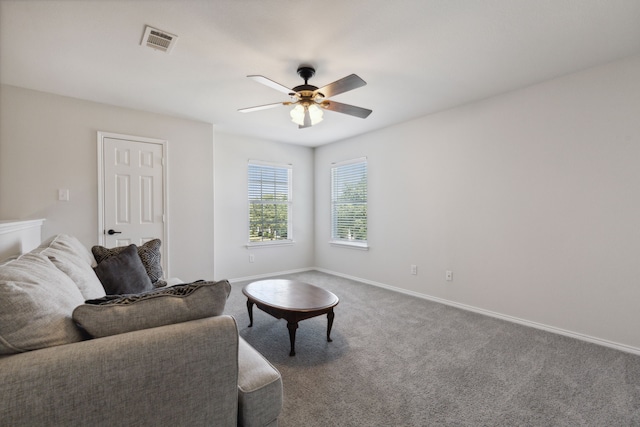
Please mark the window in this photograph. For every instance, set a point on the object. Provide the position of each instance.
(269, 203)
(349, 203)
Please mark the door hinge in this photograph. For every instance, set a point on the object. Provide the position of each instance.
(163, 162)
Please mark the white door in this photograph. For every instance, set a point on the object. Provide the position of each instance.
(133, 191)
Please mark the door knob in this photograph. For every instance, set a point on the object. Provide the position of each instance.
(112, 232)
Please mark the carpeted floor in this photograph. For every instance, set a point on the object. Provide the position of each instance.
(397, 360)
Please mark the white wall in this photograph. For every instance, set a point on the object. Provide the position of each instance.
(531, 198)
(232, 215)
(48, 142)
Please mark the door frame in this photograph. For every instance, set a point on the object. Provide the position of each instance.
(165, 193)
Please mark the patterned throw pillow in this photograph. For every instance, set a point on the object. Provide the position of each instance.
(112, 315)
(149, 254)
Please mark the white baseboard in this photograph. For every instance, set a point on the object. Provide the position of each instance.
(270, 275)
(553, 329)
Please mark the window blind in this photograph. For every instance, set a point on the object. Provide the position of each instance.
(269, 202)
(349, 201)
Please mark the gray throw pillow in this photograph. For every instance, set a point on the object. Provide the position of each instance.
(112, 315)
(124, 273)
(149, 255)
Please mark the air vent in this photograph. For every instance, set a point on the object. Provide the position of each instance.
(158, 39)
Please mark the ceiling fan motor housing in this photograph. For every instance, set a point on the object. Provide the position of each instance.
(306, 72)
(305, 90)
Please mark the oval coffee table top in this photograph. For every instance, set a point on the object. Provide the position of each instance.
(290, 295)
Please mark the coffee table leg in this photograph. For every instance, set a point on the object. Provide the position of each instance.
(250, 308)
(330, 316)
(292, 326)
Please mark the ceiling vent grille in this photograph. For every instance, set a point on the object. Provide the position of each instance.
(158, 39)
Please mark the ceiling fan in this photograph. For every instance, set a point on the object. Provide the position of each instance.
(309, 101)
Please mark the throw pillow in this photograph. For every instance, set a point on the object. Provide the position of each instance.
(36, 303)
(113, 315)
(124, 273)
(149, 254)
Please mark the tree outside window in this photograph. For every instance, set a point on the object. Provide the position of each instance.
(269, 202)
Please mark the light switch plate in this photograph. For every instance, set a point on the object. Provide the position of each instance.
(63, 194)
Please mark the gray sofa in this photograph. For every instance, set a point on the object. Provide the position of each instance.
(193, 373)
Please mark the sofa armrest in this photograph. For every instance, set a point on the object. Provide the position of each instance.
(259, 389)
(181, 374)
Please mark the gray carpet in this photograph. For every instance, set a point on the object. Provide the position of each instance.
(397, 360)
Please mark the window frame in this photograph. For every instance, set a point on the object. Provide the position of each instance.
(362, 244)
(289, 203)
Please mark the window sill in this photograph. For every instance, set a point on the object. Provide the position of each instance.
(363, 246)
(269, 243)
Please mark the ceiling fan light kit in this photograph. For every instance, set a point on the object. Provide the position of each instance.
(299, 113)
(309, 101)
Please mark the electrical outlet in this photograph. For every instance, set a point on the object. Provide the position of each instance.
(449, 275)
(414, 269)
(252, 258)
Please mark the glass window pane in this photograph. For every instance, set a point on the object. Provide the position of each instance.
(269, 196)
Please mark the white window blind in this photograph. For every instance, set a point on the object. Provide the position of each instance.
(269, 202)
(349, 202)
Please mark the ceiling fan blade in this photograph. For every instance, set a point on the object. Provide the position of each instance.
(261, 107)
(352, 110)
(340, 86)
(273, 85)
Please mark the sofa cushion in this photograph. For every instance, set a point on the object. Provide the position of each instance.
(259, 388)
(112, 315)
(8, 260)
(124, 273)
(69, 244)
(74, 259)
(36, 303)
(149, 255)
(82, 274)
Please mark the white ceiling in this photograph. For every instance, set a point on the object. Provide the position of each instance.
(417, 56)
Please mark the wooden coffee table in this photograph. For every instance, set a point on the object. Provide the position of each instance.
(290, 300)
